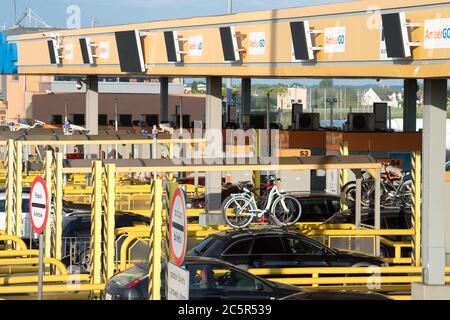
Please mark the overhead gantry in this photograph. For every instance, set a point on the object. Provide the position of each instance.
(344, 40)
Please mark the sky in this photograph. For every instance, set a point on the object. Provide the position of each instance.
(112, 12)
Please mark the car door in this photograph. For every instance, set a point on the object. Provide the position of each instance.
(267, 252)
(232, 284)
(303, 252)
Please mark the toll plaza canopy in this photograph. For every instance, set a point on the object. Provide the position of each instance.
(334, 40)
(356, 162)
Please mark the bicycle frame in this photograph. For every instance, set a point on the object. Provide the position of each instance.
(274, 192)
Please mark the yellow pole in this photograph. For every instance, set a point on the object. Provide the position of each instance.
(155, 240)
(10, 188)
(48, 182)
(18, 189)
(257, 174)
(344, 173)
(58, 205)
(110, 218)
(416, 208)
(96, 224)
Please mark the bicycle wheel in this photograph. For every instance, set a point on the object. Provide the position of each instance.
(286, 211)
(406, 193)
(238, 211)
(348, 194)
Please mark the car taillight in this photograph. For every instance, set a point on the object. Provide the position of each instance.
(135, 282)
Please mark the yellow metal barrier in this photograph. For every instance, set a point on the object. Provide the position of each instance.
(18, 253)
(33, 261)
(47, 278)
(316, 277)
(52, 288)
(109, 221)
(20, 244)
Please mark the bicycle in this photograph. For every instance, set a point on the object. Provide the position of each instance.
(395, 189)
(241, 209)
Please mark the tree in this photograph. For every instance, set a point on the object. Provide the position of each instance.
(326, 83)
(194, 87)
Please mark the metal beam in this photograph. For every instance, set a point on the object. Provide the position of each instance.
(433, 202)
(164, 100)
(410, 87)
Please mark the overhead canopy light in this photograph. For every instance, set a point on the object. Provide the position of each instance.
(302, 42)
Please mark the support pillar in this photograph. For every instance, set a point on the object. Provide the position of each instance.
(214, 149)
(433, 203)
(164, 100)
(246, 102)
(91, 152)
(410, 87)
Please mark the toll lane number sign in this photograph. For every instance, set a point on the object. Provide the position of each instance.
(38, 205)
(178, 228)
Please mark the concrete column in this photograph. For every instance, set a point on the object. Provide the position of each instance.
(246, 101)
(164, 100)
(91, 113)
(214, 149)
(433, 202)
(410, 88)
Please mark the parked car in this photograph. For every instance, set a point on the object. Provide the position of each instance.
(317, 206)
(68, 208)
(447, 166)
(212, 279)
(76, 234)
(274, 248)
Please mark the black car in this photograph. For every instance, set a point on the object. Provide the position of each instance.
(76, 234)
(317, 206)
(212, 279)
(275, 248)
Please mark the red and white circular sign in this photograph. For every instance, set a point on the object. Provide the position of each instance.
(178, 228)
(38, 205)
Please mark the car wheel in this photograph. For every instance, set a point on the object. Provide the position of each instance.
(85, 262)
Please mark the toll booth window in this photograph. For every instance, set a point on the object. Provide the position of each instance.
(229, 279)
(57, 119)
(151, 120)
(239, 248)
(2, 205)
(125, 120)
(302, 246)
(268, 245)
(79, 119)
(102, 119)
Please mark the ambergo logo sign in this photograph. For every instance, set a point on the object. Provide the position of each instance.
(437, 34)
(334, 40)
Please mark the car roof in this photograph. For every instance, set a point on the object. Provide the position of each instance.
(314, 195)
(255, 231)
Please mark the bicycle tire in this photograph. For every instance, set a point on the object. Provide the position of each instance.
(288, 218)
(406, 196)
(243, 222)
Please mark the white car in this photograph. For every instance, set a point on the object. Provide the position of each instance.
(26, 224)
(69, 208)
